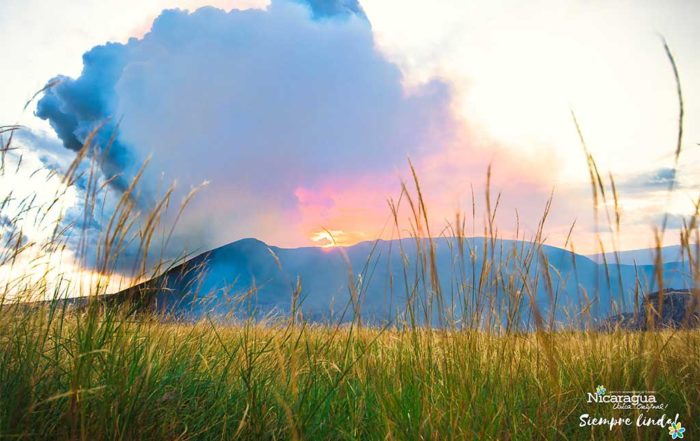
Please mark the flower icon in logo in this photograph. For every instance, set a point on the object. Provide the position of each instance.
(600, 390)
(676, 430)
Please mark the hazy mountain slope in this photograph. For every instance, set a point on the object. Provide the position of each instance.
(388, 275)
(644, 256)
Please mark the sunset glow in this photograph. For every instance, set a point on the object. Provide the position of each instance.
(336, 238)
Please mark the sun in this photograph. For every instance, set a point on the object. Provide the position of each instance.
(328, 238)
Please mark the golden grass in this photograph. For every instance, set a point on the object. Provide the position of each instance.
(102, 376)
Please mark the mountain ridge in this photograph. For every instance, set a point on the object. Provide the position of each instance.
(380, 271)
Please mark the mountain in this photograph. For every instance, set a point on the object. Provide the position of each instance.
(644, 256)
(464, 281)
(668, 308)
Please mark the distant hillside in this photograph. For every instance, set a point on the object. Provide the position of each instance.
(668, 308)
(644, 256)
(477, 279)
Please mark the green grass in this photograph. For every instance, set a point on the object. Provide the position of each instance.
(99, 373)
(103, 375)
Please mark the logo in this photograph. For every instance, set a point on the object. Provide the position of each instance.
(600, 391)
(645, 402)
(676, 430)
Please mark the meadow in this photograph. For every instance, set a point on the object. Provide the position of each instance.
(104, 375)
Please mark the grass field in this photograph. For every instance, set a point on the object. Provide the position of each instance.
(100, 375)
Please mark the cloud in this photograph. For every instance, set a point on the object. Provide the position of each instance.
(673, 221)
(10, 236)
(75, 108)
(660, 179)
(261, 103)
(333, 8)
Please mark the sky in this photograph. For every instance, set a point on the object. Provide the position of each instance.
(297, 120)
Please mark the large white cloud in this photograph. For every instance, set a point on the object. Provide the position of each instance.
(261, 103)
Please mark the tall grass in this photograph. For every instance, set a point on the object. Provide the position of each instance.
(494, 367)
(105, 377)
